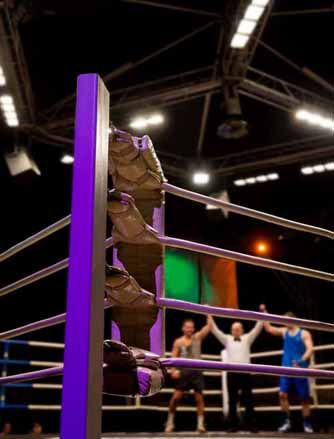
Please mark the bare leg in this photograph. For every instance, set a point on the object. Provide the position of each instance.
(174, 402)
(199, 403)
(284, 401)
(306, 410)
(285, 406)
(200, 411)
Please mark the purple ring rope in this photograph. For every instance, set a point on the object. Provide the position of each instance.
(41, 274)
(40, 324)
(188, 363)
(29, 376)
(243, 314)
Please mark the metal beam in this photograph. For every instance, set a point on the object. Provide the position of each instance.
(302, 12)
(156, 4)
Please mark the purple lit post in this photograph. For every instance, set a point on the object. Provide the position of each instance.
(82, 383)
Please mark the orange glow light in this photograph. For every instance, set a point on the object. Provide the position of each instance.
(261, 248)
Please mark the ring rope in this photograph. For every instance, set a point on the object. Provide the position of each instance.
(40, 324)
(246, 211)
(35, 375)
(243, 314)
(247, 259)
(190, 363)
(41, 274)
(35, 238)
(188, 245)
(200, 198)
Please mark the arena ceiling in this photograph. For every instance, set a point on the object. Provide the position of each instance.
(175, 57)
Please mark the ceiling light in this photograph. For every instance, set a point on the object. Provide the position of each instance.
(315, 119)
(239, 41)
(240, 182)
(6, 99)
(319, 168)
(329, 166)
(262, 3)
(155, 119)
(201, 178)
(2, 80)
(254, 12)
(138, 123)
(246, 27)
(273, 176)
(67, 159)
(307, 170)
(261, 178)
(12, 123)
(251, 180)
(8, 107)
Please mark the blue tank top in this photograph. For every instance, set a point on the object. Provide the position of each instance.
(293, 348)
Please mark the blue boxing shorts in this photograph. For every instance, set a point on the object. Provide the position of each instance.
(298, 386)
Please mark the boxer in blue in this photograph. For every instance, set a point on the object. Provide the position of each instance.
(297, 351)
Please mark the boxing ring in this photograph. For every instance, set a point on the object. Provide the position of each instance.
(82, 387)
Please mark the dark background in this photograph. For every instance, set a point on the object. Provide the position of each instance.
(64, 39)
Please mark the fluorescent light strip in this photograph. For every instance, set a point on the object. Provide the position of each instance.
(142, 122)
(263, 178)
(315, 119)
(8, 109)
(317, 169)
(248, 23)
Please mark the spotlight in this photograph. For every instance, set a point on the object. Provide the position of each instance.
(315, 119)
(257, 179)
(233, 125)
(67, 159)
(138, 123)
(261, 248)
(319, 168)
(201, 178)
(142, 122)
(8, 110)
(248, 23)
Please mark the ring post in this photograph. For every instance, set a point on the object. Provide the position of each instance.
(83, 359)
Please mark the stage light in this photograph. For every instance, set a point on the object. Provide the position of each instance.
(329, 166)
(239, 41)
(8, 110)
(262, 3)
(67, 159)
(240, 182)
(307, 170)
(261, 248)
(248, 23)
(138, 123)
(142, 122)
(273, 176)
(201, 178)
(315, 119)
(251, 180)
(263, 178)
(233, 125)
(246, 27)
(155, 119)
(318, 168)
(6, 99)
(254, 12)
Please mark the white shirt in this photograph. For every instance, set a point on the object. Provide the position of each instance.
(238, 351)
